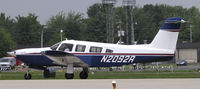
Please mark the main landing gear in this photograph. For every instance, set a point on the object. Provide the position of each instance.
(84, 74)
(51, 73)
(48, 72)
(70, 74)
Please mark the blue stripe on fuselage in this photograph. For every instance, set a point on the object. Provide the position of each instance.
(36, 60)
(96, 60)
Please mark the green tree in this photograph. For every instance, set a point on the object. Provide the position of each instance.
(27, 30)
(6, 22)
(96, 23)
(71, 24)
(6, 43)
(54, 25)
(194, 21)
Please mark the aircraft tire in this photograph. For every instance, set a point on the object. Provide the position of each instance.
(49, 73)
(83, 75)
(27, 76)
(46, 74)
(69, 75)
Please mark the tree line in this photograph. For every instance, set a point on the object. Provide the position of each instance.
(25, 31)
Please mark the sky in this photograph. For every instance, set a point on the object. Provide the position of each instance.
(44, 9)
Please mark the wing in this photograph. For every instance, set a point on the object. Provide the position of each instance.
(63, 58)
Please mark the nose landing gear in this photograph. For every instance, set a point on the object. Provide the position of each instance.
(27, 76)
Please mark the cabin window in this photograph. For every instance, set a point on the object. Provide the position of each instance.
(109, 51)
(95, 49)
(66, 47)
(80, 48)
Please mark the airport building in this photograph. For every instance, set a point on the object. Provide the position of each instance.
(189, 52)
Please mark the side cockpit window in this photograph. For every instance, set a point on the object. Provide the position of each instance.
(66, 47)
(94, 49)
(80, 48)
(109, 51)
(55, 46)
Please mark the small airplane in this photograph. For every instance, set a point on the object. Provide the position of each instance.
(72, 53)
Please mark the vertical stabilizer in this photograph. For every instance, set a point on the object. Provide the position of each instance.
(167, 36)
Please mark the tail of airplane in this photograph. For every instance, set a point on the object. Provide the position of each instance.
(167, 36)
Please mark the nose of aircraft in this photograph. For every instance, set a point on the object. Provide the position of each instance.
(13, 53)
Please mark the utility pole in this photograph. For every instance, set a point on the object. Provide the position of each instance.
(109, 4)
(129, 5)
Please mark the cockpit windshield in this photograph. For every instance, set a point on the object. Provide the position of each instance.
(66, 47)
(55, 46)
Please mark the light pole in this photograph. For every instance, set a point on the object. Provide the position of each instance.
(42, 38)
(190, 33)
(42, 35)
(120, 33)
(61, 31)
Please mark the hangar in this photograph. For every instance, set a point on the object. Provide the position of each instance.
(189, 52)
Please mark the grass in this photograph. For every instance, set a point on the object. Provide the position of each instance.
(143, 75)
(107, 75)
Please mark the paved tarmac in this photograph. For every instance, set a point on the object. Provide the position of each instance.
(102, 84)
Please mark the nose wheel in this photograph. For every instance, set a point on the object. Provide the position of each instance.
(27, 76)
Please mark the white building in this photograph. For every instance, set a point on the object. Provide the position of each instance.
(189, 52)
